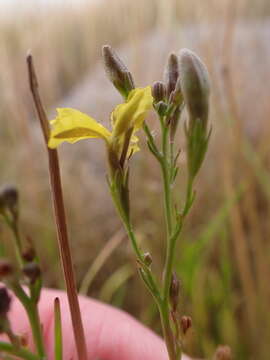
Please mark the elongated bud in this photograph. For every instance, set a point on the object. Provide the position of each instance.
(9, 197)
(185, 323)
(174, 291)
(176, 97)
(158, 91)
(117, 71)
(171, 73)
(32, 271)
(6, 269)
(195, 86)
(223, 352)
(5, 301)
(147, 259)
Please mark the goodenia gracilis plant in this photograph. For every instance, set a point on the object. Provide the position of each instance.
(185, 86)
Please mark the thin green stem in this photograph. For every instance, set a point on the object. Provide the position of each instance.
(167, 330)
(166, 182)
(34, 320)
(133, 240)
(17, 241)
(166, 167)
(32, 312)
(20, 352)
(145, 272)
(169, 260)
(151, 143)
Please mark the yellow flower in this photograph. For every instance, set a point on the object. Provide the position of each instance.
(72, 125)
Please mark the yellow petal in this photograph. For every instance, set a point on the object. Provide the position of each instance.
(133, 146)
(72, 125)
(133, 112)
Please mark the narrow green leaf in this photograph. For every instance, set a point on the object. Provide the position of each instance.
(58, 341)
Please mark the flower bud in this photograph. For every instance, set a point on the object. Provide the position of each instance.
(185, 323)
(161, 107)
(223, 352)
(147, 259)
(117, 71)
(195, 86)
(171, 73)
(176, 97)
(29, 252)
(158, 91)
(9, 199)
(174, 291)
(32, 271)
(5, 301)
(6, 268)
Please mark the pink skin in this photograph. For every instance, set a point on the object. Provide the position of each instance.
(111, 334)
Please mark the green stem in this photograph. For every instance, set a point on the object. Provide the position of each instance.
(17, 241)
(18, 352)
(189, 197)
(34, 320)
(166, 168)
(145, 272)
(166, 182)
(167, 331)
(174, 226)
(32, 312)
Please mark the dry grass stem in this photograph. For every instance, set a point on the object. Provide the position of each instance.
(60, 219)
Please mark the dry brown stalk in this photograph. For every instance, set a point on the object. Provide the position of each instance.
(60, 218)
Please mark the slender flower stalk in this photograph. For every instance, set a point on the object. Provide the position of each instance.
(60, 218)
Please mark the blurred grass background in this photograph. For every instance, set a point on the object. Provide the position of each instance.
(223, 258)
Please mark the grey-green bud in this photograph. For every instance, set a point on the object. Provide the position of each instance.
(185, 324)
(195, 86)
(9, 196)
(176, 97)
(158, 91)
(171, 73)
(117, 71)
(174, 291)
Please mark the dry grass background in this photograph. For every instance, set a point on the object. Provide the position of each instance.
(223, 258)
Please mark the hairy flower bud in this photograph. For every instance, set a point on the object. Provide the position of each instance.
(185, 323)
(117, 71)
(174, 291)
(171, 73)
(223, 352)
(158, 91)
(9, 199)
(176, 97)
(147, 259)
(195, 86)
